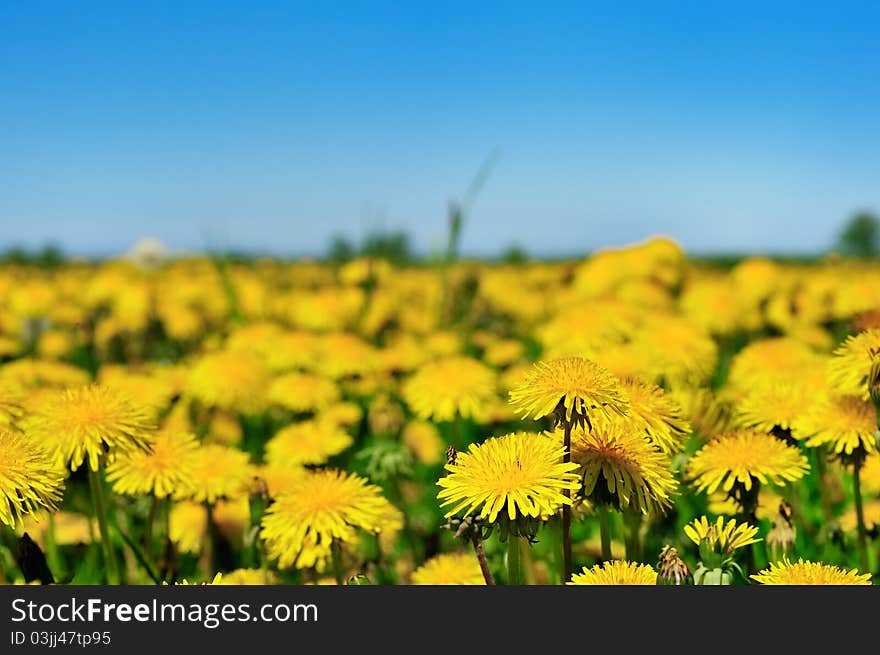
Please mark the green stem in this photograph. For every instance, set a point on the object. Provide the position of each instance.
(96, 485)
(604, 532)
(211, 558)
(336, 555)
(514, 561)
(633, 523)
(860, 519)
(148, 530)
(53, 554)
(566, 510)
(823, 491)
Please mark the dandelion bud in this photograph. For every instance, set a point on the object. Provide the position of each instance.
(671, 569)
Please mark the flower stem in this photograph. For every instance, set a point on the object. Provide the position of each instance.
(566, 510)
(861, 539)
(336, 556)
(633, 522)
(514, 561)
(212, 556)
(604, 532)
(148, 531)
(481, 558)
(96, 485)
(823, 491)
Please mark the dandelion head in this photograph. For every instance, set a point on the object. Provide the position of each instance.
(83, 423)
(449, 569)
(616, 572)
(29, 478)
(449, 387)
(805, 572)
(572, 388)
(165, 469)
(623, 469)
(743, 456)
(321, 507)
(519, 475)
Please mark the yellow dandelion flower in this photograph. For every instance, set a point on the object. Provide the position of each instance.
(870, 512)
(679, 350)
(278, 479)
(249, 577)
(11, 404)
(721, 537)
(231, 380)
(29, 480)
(623, 468)
(303, 392)
(849, 369)
(343, 414)
(322, 506)
(504, 352)
(232, 517)
(308, 442)
(740, 456)
(844, 423)
(217, 472)
(165, 469)
(652, 413)
(148, 391)
(709, 415)
(616, 573)
(344, 354)
(424, 440)
(188, 526)
(578, 385)
(69, 528)
(30, 373)
(81, 423)
(521, 474)
(224, 427)
(184, 582)
(870, 474)
(809, 573)
(773, 405)
(450, 387)
(775, 358)
(449, 569)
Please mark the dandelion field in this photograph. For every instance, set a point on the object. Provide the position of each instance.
(637, 416)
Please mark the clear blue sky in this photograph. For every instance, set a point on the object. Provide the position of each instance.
(271, 126)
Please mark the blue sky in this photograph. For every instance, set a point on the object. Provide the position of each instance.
(270, 126)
